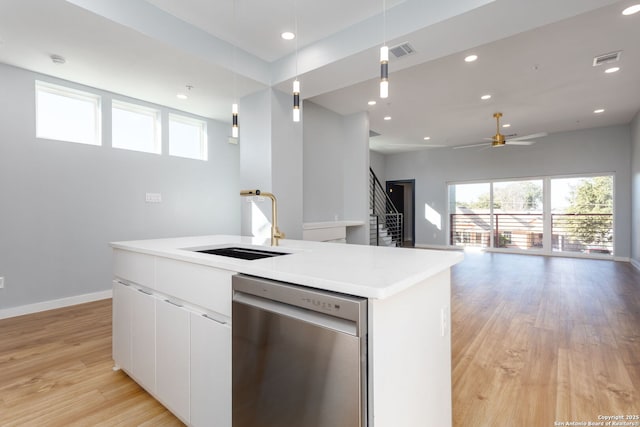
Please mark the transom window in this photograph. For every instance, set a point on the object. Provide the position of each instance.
(187, 137)
(135, 127)
(65, 114)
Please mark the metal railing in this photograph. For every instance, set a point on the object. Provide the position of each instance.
(588, 233)
(386, 223)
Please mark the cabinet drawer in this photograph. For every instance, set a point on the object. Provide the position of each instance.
(134, 267)
(207, 287)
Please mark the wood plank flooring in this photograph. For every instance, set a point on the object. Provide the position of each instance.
(540, 340)
(56, 370)
(535, 340)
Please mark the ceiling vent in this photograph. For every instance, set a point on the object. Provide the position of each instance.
(373, 133)
(402, 49)
(607, 58)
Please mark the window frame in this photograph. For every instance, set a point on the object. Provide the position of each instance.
(154, 113)
(74, 94)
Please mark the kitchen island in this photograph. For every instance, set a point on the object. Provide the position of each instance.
(173, 320)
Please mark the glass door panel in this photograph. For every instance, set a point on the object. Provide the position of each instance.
(518, 215)
(582, 214)
(470, 215)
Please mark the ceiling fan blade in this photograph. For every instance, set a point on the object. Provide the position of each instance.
(518, 142)
(472, 145)
(532, 136)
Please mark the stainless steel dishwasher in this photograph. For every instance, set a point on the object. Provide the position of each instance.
(299, 356)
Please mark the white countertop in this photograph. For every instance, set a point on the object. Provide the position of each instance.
(331, 224)
(368, 271)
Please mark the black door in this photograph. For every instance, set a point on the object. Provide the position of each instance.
(396, 194)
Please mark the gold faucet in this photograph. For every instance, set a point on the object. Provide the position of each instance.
(276, 234)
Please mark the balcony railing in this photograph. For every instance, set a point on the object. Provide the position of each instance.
(589, 233)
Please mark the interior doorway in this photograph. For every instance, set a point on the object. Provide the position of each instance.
(403, 195)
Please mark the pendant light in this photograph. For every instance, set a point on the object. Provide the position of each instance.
(234, 118)
(384, 56)
(296, 82)
(234, 106)
(296, 100)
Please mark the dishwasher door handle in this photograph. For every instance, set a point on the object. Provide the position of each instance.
(309, 316)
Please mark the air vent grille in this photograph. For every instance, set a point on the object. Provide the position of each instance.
(607, 58)
(402, 49)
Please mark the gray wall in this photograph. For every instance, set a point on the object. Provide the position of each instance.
(323, 170)
(62, 203)
(336, 168)
(271, 160)
(600, 150)
(376, 162)
(635, 188)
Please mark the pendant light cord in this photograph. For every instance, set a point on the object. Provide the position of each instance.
(384, 22)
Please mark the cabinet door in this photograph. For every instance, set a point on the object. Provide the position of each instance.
(121, 346)
(172, 356)
(143, 340)
(210, 372)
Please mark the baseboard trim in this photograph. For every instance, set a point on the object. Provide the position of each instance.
(635, 263)
(53, 304)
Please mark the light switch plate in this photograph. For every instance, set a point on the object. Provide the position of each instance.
(153, 198)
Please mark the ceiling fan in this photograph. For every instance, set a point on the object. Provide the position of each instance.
(499, 140)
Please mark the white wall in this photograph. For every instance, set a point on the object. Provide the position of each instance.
(635, 189)
(61, 203)
(600, 150)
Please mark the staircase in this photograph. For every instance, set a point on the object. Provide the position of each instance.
(385, 222)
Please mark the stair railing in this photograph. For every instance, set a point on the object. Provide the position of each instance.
(385, 218)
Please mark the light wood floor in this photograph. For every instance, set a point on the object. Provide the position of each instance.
(538, 340)
(535, 340)
(55, 370)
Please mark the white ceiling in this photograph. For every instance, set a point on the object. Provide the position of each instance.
(534, 58)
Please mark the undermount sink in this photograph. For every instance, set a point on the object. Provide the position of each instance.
(242, 253)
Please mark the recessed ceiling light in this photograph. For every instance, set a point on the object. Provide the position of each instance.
(470, 58)
(371, 102)
(181, 96)
(485, 97)
(387, 117)
(426, 138)
(288, 35)
(612, 70)
(599, 110)
(631, 10)
(506, 125)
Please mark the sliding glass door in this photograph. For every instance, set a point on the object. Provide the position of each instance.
(513, 215)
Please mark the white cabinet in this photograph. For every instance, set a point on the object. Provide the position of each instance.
(122, 325)
(164, 342)
(143, 339)
(172, 357)
(210, 372)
